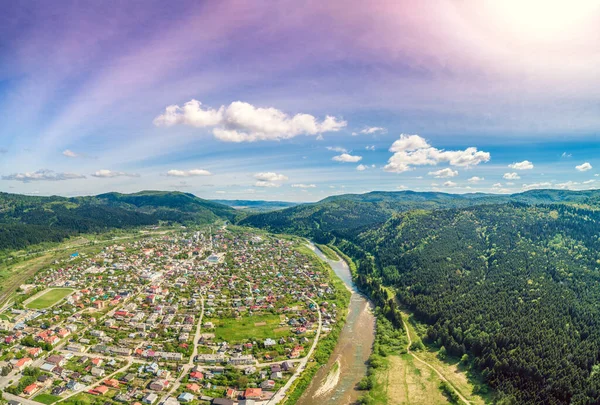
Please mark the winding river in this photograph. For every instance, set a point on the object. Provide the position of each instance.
(335, 383)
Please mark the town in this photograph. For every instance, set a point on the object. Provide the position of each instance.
(212, 316)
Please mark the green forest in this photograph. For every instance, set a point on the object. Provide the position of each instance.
(515, 284)
(512, 281)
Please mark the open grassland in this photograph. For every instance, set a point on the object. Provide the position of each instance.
(49, 298)
(400, 378)
(328, 252)
(46, 398)
(458, 375)
(404, 380)
(249, 328)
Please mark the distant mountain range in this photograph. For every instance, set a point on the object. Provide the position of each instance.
(257, 205)
(26, 220)
(346, 214)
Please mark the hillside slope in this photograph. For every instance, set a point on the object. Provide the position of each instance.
(515, 286)
(345, 215)
(27, 220)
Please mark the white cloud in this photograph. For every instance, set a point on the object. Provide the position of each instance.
(42, 175)
(70, 153)
(370, 147)
(263, 183)
(401, 187)
(304, 185)
(449, 184)
(361, 168)
(188, 173)
(536, 185)
(566, 155)
(524, 165)
(567, 185)
(338, 149)
(589, 181)
(413, 150)
(444, 173)
(105, 174)
(475, 179)
(372, 130)
(511, 176)
(270, 176)
(584, 167)
(243, 122)
(346, 158)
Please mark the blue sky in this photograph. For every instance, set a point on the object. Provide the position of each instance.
(298, 100)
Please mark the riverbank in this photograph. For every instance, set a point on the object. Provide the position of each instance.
(335, 383)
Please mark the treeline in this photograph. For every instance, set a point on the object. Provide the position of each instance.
(515, 286)
(27, 220)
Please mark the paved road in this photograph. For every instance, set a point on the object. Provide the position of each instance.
(21, 400)
(279, 395)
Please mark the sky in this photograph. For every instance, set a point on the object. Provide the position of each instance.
(298, 100)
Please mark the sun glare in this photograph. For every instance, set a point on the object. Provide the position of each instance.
(543, 20)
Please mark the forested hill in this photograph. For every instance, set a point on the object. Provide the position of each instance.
(345, 215)
(257, 205)
(512, 281)
(26, 220)
(515, 286)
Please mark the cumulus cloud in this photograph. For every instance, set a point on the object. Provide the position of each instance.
(568, 185)
(372, 130)
(270, 176)
(106, 174)
(449, 184)
(269, 179)
(413, 150)
(370, 147)
(361, 168)
(188, 173)
(70, 153)
(346, 158)
(338, 149)
(536, 185)
(304, 185)
(444, 173)
(524, 165)
(475, 179)
(42, 175)
(511, 176)
(243, 122)
(584, 167)
(262, 183)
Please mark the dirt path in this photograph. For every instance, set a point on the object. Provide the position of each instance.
(417, 358)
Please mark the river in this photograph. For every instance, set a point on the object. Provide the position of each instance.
(335, 383)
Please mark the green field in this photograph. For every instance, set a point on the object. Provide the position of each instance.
(328, 252)
(249, 328)
(49, 298)
(46, 398)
